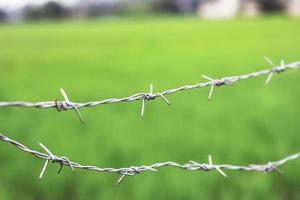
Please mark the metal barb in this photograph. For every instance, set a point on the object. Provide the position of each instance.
(127, 173)
(150, 96)
(62, 164)
(164, 98)
(216, 167)
(44, 169)
(213, 83)
(269, 61)
(274, 69)
(52, 158)
(120, 179)
(72, 105)
(46, 162)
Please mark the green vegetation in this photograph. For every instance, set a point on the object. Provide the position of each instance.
(246, 123)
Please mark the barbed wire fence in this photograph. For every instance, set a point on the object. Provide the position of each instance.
(66, 104)
(49, 157)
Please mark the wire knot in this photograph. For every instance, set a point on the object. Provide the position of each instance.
(54, 159)
(212, 166)
(206, 167)
(269, 167)
(61, 105)
(213, 83)
(278, 70)
(67, 104)
(151, 96)
(218, 82)
(132, 171)
(275, 69)
(197, 166)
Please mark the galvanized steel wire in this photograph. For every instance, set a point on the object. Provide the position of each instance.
(66, 104)
(49, 157)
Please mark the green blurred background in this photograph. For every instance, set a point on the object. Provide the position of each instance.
(98, 59)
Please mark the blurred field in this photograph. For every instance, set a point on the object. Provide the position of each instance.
(246, 123)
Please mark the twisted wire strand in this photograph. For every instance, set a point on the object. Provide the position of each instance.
(66, 105)
(134, 170)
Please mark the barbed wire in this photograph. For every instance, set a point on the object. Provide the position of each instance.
(49, 157)
(66, 104)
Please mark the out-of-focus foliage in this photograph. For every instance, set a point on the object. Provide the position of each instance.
(167, 6)
(2, 15)
(54, 10)
(50, 10)
(272, 5)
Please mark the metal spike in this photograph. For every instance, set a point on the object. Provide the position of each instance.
(71, 104)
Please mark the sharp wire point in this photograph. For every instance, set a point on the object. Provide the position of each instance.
(120, 179)
(60, 168)
(193, 162)
(44, 169)
(143, 107)
(46, 149)
(64, 94)
(211, 92)
(269, 78)
(282, 63)
(206, 77)
(79, 115)
(165, 99)
(210, 160)
(221, 172)
(269, 61)
(154, 170)
(47, 160)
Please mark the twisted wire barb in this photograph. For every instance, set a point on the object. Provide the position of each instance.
(63, 107)
(134, 170)
(67, 105)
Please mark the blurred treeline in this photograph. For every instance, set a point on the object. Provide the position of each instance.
(88, 9)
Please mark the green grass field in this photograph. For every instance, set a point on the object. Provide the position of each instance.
(244, 124)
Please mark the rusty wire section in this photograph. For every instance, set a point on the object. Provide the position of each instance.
(66, 104)
(49, 157)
